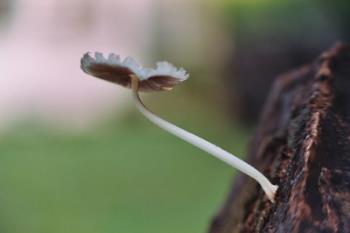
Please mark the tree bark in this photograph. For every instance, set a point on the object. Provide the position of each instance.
(303, 145)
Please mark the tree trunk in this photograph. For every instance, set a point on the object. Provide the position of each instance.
(303, 145)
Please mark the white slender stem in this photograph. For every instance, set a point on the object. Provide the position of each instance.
(212, 149)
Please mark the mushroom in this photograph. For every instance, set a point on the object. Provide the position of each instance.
(129, 73)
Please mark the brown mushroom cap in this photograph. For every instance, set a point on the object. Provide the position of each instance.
(116, 71)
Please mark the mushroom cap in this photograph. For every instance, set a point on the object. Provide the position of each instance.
(164, 77)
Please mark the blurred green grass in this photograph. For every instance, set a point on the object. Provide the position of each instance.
(125, 176)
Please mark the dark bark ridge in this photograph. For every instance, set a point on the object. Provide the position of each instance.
(303, 145)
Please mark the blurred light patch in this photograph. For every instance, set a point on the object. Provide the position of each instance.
(41, 47)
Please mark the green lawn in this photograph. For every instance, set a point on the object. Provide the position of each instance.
(131, 177)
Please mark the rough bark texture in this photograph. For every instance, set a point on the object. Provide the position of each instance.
(303, 145)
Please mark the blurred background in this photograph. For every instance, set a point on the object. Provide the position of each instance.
(76, 156)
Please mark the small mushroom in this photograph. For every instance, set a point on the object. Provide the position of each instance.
(129, 73)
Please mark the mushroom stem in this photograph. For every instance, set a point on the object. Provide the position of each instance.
(212, 149)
